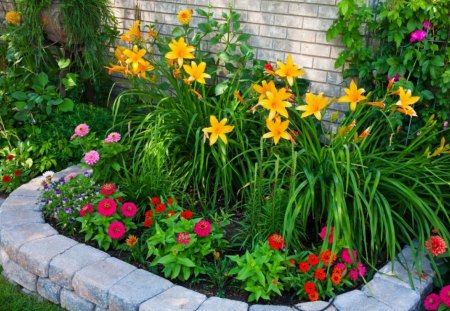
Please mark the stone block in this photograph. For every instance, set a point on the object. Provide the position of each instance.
(49, 290)
(135, 288)
(303, 9)
(30, 190)
(272, 31)
(216, 303)
(328, 11)
(269, 308)
(36, 255)
(316, 306)
(4, 258)
(10, 218)
(176, 298)
(406, 258)
(94, 281)
(398, 297)
(315, 49)
(356, 300)
(63, 267)
(71, 169)
(16, 273)
(315, 23)
(15, 203)
(274, 7)
(73, 302)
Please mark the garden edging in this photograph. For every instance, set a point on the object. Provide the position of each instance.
(80, 277)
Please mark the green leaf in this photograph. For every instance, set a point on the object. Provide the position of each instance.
(437, 61)
(177, 32)
(21, 116)
(21, 105)
(63, 63)
(220, 88)
(426, 94)
(186, 262)
(166, 259)
(202, 12)
(66, 105)
(70, 81)
(42, 79)
(116, 166)
(243, 37)
(205, 27)
(19, 95)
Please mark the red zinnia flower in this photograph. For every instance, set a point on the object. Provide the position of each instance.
(292, 261)
(186, 214)
(336, 278)
(327, 257)
(10, 157)
(436, 245)
(170, 201)
(18, 173)
(183, 238)
(148, 214)
(6, 178)
(129, 209)
(120, 199)
(148, 222)
(313, 296)
(320, 274)
(155, 200)
(202, 228)
(303, 266)
(86, 209)
(309, 287)
(116, 230)
(108, 189)
(160, 207)
(313, 259)
(276, 241)
(107, 207)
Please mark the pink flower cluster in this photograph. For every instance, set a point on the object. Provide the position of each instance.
(113, 137)
(418, 35)
(351, 258)
(433, 301)
(323, 233)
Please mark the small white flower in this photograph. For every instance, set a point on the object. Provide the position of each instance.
(48, 174)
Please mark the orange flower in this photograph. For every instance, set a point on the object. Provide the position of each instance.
(264, 88)
(314, 105)
(327, 257)
(276, 103)
(13, 18)
(117, 68)
(313, 296)
(277, 130)
(342, 131)
(376, 104)
(135, 57)
(134, 34)
(320, 274)
(289, 70)
(184, 16)
(239, 97)
(353, 96)
(180, 51)
(406, 101)
(217, 130)
(131, 240)
(365, 133)
(336, 278)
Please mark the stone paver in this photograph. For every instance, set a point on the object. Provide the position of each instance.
(269, 308)
(407, 259)
(216, 303)
(176, 298)
(135, 288)
(36, 255)
(19, 275)
(10, 218)
(316, 306)
(27, 190)
(20, 203)
(396, 296)
(4, 258)
(94, 281)
(73, 302)
(48, 290)
(357, 300)
(63, 267)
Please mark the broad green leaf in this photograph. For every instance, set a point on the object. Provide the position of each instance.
(66, 105)
(21, 105)
(186, 262)
(63, 63)
(70, 81)
(177, 32)
(19, 95)
(220, 88)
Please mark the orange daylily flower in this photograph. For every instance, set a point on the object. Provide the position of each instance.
(377, 104)
(289, 70)
(342, 131)
(365, 133)
(217, 130)
(239, 97)
(314, 105)
(353, 96)
(264, 88)
(134, 34)
(277, 130)
(180, 51)
(405, 101)
(135, 57)
(117, 68)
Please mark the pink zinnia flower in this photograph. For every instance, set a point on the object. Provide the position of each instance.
(91, 157)
(323, 234)
(70, 176)
(427, 24)
(202, 228)
(113, 137)
(107, 207)
(418, 35)
(445, 295)
(86, 209)
(361, 269)
(183, 238)
(353, 274)
(436, 245)
(108, 189)
(82, 130)
(432, 302)
(346, 257)
(129, 209)
(116, 230)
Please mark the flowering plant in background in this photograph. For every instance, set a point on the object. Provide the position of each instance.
(15, 167)
(13, 18)
(440, 302)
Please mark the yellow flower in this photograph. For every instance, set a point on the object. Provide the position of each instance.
(314, 104)
(134, 34)
(354, 95)
(197, 73)
(118, 68)
(184, 16)
(180, 51)
(131, 240)
(135, 57)
(13, 18)
(289, 70)
(442, 148)
(264, 88)
(118, 53)
(217, 130)
(277, 130)
(405, 101)
(142, 69)
(276, 102)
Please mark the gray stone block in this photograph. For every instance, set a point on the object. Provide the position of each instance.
(71, 169)
(27, 190)
(97, 308)
(4, 258)
(13, 239)
(94, 281)
(1, 201)
(10, 218)
(36, 255)
(269, 308)
(406, 258)
(49, 290)
(316, 306)
(135, 288)
(20, 203)
(73, 302)
(63, 267)
(174, 299)
(357, 300)
(398, 297)
(216, 303)
(20, 276)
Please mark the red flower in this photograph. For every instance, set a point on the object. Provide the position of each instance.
(313, 296)
(116, 230)
(436, 245)
(17, 173)
(107, 207)
(170, 214)
(268, 66)
(313, 259)
(276, 241)
(86, 209)
(155, 200)
(148, 214)
(320, 274)
(292, 261)
(148, 222)
(303, 266)
(202, 228)
(327, 257)
(160, 207)
(108, 189)
(10, 157)
(120, 199)
(336, 278)
(170, 201)
(6, 178)
(186, 214)
(309, 287)
(129, 209)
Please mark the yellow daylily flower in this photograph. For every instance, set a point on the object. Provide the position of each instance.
(13, 18)
(135, 57)
(143, 68)
(217, 130)
(180, 51)
(133, 34)
(314, 104)
(277, 130)
(197, 73)
(117, 68)
(405, 101)
(354, 95)
(442, 148)
(184, 16)
(118, 53)
(276, 102)
(289, 70)
(264, 88)
(365, 133)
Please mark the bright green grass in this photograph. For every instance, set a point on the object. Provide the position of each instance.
(12, 299)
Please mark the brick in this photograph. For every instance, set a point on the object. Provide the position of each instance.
(289, 21)
(73, 302)
(316, 75)
(334, 78)
(260, 18)
(322, 1)
(261, 42)
(250, 29)
(356, 300)
(303, 9)
(270, 55)
(321, 37)
(272, 31)
(19, 275)
(335, 51)
(48, 290)
(64, 266)
(301, 35)
(302, 60)
(286, 45)
(249, 5)
(316, 306)
(328, 90)
(94, 281)
(328, 11)
(269, 308)
(166, 7)
(35, 256)
(135, 288)
(316, 23)
(216, 303)
(274, 7)
(315, 49)
(324, 64)
(174, 299)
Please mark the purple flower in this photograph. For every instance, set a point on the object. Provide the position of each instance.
(57, 192)
(64, 200)
(427, 24)
(396, 78)
(43, 201)
(57, 209)
(71, 220)
(46, 188)
(86, 173)
(68, 210)
(50, 201)
(445, 126)
(418, 35)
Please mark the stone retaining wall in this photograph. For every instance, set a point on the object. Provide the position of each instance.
(79, 277)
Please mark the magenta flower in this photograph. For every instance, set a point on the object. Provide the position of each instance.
(346, 257)
(432, 302)
(323, 234)
(353, 274)
(395, 78)
(202, 228)
(418, 35)
(82, 130)
(129, 209)
(361, 269)
(183, 238)
(116, 230)
(427, 24)
(107, 207)
(113, 137)
(91, 157)
(445, 295)
(86, 209)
